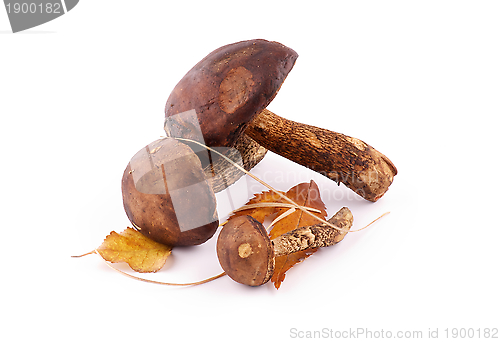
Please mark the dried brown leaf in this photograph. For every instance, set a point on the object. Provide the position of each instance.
(260, 214)
(304, 194)
(284, 263)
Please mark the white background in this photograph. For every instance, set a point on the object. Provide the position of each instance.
(418, 80)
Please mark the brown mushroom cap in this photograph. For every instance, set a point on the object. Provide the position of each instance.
(228, 88)
(245, 252)
(166, 196)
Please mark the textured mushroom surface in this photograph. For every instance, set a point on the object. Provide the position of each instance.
(245, 251)
(166, 196)
(228, 88)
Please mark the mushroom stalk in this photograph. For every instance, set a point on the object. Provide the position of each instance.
(319, 235)
(247, 254)
(216, 101)
(339, 157)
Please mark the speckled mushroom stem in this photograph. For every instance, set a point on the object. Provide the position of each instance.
(246, 153)
(319, 235)
(339, 157)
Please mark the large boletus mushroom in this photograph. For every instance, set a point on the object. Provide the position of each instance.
(229, 91)
(166, 195)
(226, 89)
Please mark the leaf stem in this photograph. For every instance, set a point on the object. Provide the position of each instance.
(369, 224)
(272, 204)
(79, 256)
(265, 184)
(159, 282)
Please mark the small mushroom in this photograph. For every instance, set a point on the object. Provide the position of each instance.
(229, 91)
(247, 254)
(166, 196)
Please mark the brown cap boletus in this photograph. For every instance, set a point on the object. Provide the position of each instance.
(229, 91)
(247, 254)
(226, 90)
(166, 195)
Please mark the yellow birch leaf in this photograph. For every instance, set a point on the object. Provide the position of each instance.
(140, 252)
